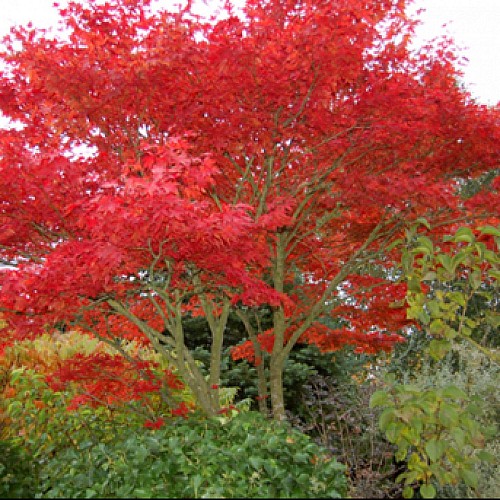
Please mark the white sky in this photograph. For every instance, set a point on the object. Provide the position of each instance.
(474, 24)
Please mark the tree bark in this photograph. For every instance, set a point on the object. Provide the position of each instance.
(276, 389)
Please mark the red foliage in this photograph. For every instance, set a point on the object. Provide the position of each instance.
(156, 424)
(181, 411)
(103, 379)
(227, 409)
(268, 159)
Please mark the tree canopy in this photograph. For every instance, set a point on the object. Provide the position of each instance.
(269, 158)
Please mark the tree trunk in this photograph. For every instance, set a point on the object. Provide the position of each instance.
(259, 362)
(262, 388)
(276, 389)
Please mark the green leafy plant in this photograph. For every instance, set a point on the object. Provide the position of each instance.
(435, 431)
(436, 427)
(472, 372)
(38, 420)
(247, 456)
(17, 471)
(443, 283)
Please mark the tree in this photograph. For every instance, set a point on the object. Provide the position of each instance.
(270, 158)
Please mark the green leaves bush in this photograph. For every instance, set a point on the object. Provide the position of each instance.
(476, 378)
(17, 471)
(39, 419)
(435, 430)
(107, 452)
(247, 456)
(438, 427)
(444, 284)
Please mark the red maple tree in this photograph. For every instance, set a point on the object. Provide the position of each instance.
(267, 158)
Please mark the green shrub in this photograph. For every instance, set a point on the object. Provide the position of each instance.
(443, 415)
(39, 419)
(17, 478)
(476, 375)
(247, 456)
